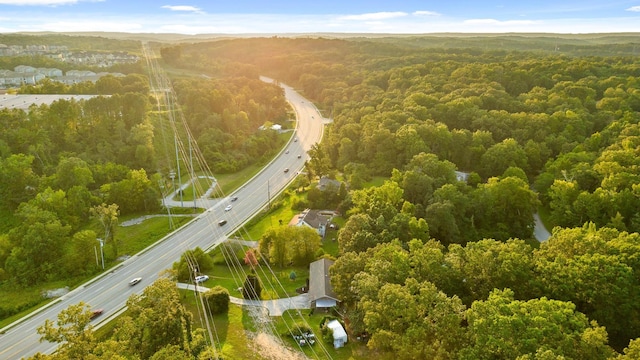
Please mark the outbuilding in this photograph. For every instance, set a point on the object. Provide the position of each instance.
(339, 334)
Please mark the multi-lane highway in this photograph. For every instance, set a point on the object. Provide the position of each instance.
(111, 291)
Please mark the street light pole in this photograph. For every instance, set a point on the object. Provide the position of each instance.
(101, 251)
(172, 176)
(164, 204)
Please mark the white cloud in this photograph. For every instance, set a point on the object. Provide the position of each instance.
(186, 8)
(76, 26)
(425, 13)
(498, 22)
(375, 16)
(37, 2)
(634, 8)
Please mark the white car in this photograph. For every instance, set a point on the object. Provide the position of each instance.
(201, 278)
(135, 281)
(228, 207)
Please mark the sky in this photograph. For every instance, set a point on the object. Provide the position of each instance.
(320, 16)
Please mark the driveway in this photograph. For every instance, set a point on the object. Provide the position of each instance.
(540, 232)
(275, 307)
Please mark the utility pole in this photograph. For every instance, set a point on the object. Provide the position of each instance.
(193, 175)
(175, 141)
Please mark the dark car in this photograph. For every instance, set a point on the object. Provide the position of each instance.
(222, 222)
(286, 170)
(234, 198)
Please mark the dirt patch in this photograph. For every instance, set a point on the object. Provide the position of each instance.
(271, 348)
(55, 293)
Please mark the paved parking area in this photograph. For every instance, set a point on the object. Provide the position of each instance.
(10, 101)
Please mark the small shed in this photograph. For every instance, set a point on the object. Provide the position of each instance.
(339, 334)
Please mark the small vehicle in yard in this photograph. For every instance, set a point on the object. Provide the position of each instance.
(201, 278)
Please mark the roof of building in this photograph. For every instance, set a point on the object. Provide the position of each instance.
(325, 183)
(319, 281)
(338, 330)
(313, 218)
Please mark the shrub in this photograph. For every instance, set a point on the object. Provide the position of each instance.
(218, 299)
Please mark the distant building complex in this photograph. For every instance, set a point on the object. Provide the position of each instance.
(28, 75)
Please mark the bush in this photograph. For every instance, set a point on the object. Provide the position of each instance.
(299, 204)
(218, 299)
(252, 289)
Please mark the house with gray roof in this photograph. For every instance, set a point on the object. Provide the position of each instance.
(313, 219)
(325, 184)
(321, 293)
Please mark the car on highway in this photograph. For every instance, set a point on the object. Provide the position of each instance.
(299, 156)
(201, 278)
(95, 313)
(286, 170)
(295, 140)
(135, 281)
(286, 152)
(228, 207)
(234, 198)
(222, 222)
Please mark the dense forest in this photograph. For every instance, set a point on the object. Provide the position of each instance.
(537, 123)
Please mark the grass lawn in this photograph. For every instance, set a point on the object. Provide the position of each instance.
(28, 298)
(232, 276)
(229, 334)
(227, 183)
(376, 181)
(291, 319)
(233, 342)
(135, 238)
(201, 186)
(281, 211)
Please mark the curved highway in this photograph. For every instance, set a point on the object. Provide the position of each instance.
(111, 290)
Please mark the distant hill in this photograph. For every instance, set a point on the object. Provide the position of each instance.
(615, 44)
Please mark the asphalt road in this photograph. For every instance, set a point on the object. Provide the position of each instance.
(111, 290)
